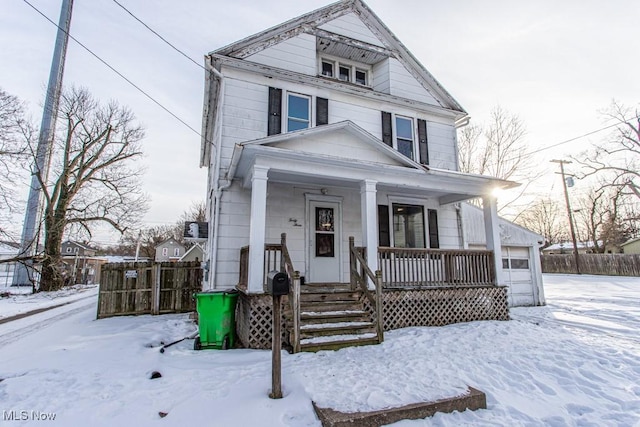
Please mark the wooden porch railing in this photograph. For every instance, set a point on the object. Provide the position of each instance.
(405, 267)
(360, 275)
(276, 257)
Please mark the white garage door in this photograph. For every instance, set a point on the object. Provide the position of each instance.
(516, 267)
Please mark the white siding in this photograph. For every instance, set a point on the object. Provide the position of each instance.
(403, 84)
(350, 25)
(295, 54)
(441, 142)
(381, 77)
(365, 117)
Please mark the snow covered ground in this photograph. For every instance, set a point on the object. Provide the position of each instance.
(22, 300)
(575, 362)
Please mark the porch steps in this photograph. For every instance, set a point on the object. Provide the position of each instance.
(332, 317)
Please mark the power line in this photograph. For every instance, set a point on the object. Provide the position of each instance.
(138, 88)
(158, 35)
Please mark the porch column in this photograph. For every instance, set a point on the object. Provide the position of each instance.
(492, 230)
(369, 222)
(257, 229)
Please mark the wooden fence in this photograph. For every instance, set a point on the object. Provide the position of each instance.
(148, 288)
(605, 264)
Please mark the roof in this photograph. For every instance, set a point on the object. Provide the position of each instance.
(569, 245)
(630, 241)
(81, 245)
(510, 232)
(192, 249)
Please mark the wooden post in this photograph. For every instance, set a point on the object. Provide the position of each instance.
(283, 244)
(352, 263)
(379, 308)
(155, 288)
(276, 345)
(295, 306)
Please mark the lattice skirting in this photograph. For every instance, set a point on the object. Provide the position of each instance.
(253, 320)
(443, 306)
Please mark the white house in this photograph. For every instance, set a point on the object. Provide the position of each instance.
(324, 128)
(521, 269)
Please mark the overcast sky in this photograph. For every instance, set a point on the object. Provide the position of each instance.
(554, 63)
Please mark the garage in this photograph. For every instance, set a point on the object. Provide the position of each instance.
(520, 256)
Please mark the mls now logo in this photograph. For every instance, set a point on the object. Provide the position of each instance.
(28, 416)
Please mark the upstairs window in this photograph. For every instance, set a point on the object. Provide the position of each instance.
(298, 112)
(345, 70)
(404, 136)
(165, 251)
(176, 252)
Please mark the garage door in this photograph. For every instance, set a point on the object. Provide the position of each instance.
(517, 274)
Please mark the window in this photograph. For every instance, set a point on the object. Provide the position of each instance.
(176, 252)
(75, 250)
(165, 251)
(520, 264)
(298, 112)
(345, 70)
(69, 249)
(404, 136)
(408, 226)
(327, 68)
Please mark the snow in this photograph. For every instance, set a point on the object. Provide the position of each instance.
(338, 337)
(334, 325)
(22, 300)
(575, 362)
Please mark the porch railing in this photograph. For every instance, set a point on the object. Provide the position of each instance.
(405, 267)
(360, 276)
(276, 257)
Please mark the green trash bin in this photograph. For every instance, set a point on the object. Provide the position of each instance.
(216, 319)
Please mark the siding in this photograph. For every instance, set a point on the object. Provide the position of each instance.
(440, 138)
(403, 84)
(381, 77)
(350, 25)
(295, 54)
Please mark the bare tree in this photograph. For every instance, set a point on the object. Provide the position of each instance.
(545, 217)
(498, 149)
(13, 127)
(619, 157)
(93, 179)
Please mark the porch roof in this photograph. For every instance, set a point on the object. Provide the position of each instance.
(333, 168)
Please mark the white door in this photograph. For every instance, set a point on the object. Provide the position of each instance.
(517, 268)
(325, 224)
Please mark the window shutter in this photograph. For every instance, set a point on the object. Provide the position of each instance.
(434, 241)
(422, 142)
(384, 236)
(387, 136)
(274, 125)
(322, 111)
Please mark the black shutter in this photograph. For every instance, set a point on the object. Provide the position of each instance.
(322, 111)
(384, 236)
(387, 136)
(422, 142)
(434, 241)
(275, 111)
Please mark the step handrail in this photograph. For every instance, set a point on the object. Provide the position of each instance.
(359, 278)
(286, 266)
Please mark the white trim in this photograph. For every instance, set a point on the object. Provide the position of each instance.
(285, 116)
(394, 139)
(352, 65)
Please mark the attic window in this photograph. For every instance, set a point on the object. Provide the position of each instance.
(345, 70)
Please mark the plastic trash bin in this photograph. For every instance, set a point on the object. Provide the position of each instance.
(216, 319)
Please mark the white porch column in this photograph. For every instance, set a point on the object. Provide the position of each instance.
(368, 209)
(257, 229)
(492, 230)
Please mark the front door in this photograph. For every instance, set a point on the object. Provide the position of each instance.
(324, 234)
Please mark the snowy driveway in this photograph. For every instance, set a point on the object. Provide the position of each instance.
(575, 362)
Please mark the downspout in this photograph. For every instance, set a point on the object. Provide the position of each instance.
(218, 189)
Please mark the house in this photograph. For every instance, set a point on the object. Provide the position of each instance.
(631, 246)
(567, 248)
(8, 250)
(332, 156)
(169, 251)
(71, 248)
(194, 253)
(520, 247)
(80, 262)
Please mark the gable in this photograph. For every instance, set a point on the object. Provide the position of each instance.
(295, 54)
(341, 144)
(351, 26)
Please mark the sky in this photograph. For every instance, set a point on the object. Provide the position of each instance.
(555, 64)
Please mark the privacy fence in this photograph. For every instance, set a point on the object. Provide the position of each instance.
(148, 288)
(605, 264)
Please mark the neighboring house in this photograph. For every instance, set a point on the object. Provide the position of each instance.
(7, 250)
(71, 248)
(327, 127)
(169, 251)
(631, 246)
(194, 253)
(521, 267)
(567, 248)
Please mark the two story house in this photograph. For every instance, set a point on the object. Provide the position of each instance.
(332, 156)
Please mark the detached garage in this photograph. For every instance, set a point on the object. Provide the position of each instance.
(520, 256)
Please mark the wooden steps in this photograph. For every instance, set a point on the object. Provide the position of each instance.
(332, 317)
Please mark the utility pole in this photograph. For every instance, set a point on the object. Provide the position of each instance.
(569, 212)
(30, 229)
